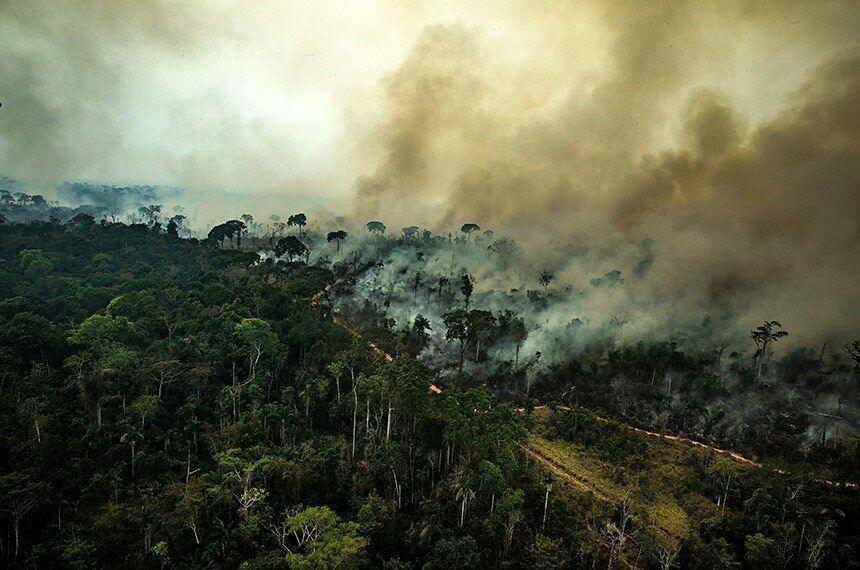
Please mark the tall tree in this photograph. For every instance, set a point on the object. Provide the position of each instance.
(291, 246)
(336, 236)
(506, 249)
(231, 229)
(175, 225)
(299, 220)
(519, 333)
(20, 493)
(467, 286)
(763, 336)
(375, 227)
(545, 279)
(469, 229)
(457, 328)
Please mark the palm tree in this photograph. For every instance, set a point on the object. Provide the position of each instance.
(461, 485)
(762, 336)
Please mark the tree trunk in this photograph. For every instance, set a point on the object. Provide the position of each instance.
(388, 426)
(545, 506)
(800, 542)
(354, 414)
(17, 534)
(760, 361)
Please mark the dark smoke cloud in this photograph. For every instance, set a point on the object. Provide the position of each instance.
(751, 216)
(726, 133)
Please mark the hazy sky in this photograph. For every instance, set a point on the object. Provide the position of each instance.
(725, 131)
(286, 96)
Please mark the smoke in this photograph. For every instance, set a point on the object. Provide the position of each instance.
(751, 214)
(722, 136)
(214, 97)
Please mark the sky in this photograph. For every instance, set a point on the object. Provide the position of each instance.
(726, 133)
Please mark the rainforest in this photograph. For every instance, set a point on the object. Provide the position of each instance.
(387, 284)
(233, 401)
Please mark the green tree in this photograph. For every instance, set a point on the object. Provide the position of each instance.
(256, 338)
(299, 220)
(519, 333)
(20, 493)
(144, 407)
(315, 537)
(546, 553)
(469, 229)
(231, 229)
(463, 550)
(467, 286)
(132, 436)
(34, 263)
(238, 474)
(290, 246)
(506, 249)
(375, 227)
(761, 552)
(457, 328)
(336, 236)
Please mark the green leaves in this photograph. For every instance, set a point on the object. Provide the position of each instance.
(98, 329)
(34, 263)
(256, 334)
(321, 540)
(291, 246)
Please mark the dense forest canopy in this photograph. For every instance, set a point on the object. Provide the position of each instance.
(438, 284)
(243, 401)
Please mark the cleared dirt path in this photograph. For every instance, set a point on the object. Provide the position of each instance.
(663, 437)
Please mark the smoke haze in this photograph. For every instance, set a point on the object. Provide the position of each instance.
(725, 135)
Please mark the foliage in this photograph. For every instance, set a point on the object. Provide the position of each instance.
(172, 402)
(167, 402)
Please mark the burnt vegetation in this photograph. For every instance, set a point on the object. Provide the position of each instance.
(290, 395)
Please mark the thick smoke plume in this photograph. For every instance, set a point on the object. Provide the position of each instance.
(709, 153)
(754, 217)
